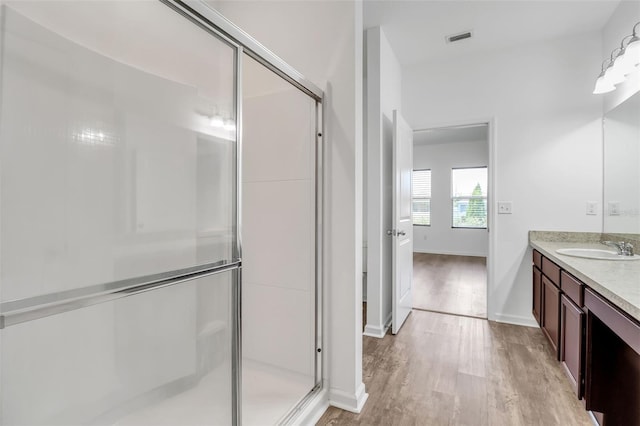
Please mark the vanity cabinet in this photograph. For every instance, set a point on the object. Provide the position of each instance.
(558, 308)
(546, 298)
(597, 343)
(572, 330)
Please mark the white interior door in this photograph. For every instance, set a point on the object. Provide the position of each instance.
(402, 232)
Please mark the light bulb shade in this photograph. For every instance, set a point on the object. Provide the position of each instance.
(625, 65)
(620, 64)
(612, 77)
(632, 52)
(602, 85)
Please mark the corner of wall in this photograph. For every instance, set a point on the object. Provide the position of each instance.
(349, 402)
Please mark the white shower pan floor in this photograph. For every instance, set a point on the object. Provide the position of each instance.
(269, 394)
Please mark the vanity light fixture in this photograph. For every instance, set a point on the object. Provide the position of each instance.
(633, 47)
(624, 60)
(623, 64)
(602, 84)
(613, 74)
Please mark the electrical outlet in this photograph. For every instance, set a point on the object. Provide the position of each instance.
(592, 208)
(504, 207)
(614, 208)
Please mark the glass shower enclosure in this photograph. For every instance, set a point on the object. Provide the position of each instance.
(125, 296)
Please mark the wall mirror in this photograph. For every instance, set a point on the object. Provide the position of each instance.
(622, 168)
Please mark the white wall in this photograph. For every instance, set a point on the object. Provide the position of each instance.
(323, 40)
(621, 23)
(440, 237)
(383, 96)
(547, 155)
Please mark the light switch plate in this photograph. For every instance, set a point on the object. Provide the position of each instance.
(592, 208)
(504, 207)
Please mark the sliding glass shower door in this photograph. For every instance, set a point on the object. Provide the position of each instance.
(280, 292)
(120, 259)
(118, 247)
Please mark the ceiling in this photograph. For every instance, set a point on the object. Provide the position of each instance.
(417, 29)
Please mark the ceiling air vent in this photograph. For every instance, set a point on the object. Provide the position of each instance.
(460, 36)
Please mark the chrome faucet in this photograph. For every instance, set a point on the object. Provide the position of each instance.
(624, 248)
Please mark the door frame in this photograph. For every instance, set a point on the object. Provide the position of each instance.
(491, 211)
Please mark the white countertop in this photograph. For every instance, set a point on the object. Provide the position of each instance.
(617, 280)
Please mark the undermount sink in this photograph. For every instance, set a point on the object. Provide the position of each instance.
(595, 254)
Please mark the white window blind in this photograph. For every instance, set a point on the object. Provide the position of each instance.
(469, 197)
(421, 197)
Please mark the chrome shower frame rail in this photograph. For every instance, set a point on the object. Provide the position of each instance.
(33, 308)
(202, 11)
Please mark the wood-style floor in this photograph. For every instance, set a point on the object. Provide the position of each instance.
(451, 284)
(453, 370)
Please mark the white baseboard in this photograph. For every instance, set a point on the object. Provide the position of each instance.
(347, 401)
(373, 331)
(451, 253)
(515, 319)
(312, 412)
(378, 331)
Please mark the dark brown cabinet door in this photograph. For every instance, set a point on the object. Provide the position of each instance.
(537, 294)
(571, 342)
(551, 312)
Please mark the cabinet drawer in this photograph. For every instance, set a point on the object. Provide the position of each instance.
(573, 288)
(537, 259)
(551, 270)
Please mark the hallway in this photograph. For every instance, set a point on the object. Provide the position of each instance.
(445, 369)
(450, 284)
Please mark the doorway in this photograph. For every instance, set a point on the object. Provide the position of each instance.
(450, 219)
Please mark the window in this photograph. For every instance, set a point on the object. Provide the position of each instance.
(469, 197)
(421, 197)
